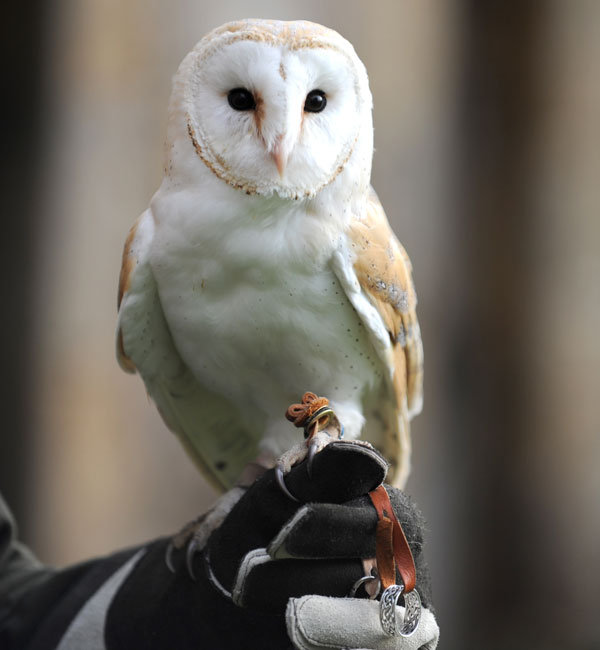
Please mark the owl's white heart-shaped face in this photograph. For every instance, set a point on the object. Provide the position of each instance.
(276, 110)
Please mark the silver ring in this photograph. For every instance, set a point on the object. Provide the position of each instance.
(388, 614)
(317, 415)
(362, 581)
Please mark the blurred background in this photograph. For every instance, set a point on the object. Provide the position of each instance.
(487, 134)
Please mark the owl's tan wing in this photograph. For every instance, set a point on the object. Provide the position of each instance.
(376, 274)
(209, 427)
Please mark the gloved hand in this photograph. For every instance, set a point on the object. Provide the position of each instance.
(267, 555)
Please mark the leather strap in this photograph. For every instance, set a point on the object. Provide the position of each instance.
(392, 549)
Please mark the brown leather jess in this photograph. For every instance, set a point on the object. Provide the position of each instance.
(301, 414)
(392, 550)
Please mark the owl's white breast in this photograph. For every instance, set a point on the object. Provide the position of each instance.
(253, 306)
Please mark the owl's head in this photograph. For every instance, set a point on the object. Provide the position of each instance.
(275, 107)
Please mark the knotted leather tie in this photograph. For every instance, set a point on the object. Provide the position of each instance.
(392, 549)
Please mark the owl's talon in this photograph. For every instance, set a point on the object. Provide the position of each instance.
(169, 557)
(279, 477)
(192, 549)
(313, 447)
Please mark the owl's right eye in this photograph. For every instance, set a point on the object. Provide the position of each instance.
(241, 99)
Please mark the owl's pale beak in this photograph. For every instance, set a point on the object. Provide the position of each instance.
(280, 155)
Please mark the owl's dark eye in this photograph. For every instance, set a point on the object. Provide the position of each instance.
(241, 99)
(315, 101)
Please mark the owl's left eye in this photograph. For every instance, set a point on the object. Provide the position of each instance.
(241, 99)
(315, 101)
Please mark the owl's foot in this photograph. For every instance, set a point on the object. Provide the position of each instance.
(302, 451)
(307, 452)
(315, 444)
(193, 536)
(179, 541)
(320, 425)
(279, 477)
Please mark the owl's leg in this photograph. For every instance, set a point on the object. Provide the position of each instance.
(194, 535)
(351, 416)
(321, 426)
(304, 450)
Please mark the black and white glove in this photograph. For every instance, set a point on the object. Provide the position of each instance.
(277, 573)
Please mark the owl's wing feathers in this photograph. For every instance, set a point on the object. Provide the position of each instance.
(145, 345)
(375, 272)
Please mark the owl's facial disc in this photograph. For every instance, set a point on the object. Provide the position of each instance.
(280, 146)
(267, 119)
(280, 150)
(280, 155)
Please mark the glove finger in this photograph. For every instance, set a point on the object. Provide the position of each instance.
(266, 585)
(320, 531)
(314, 623)
(329, 530)
(342, 471)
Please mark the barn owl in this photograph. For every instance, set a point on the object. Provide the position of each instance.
(265, 265)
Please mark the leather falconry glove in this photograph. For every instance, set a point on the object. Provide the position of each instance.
(272, 554)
